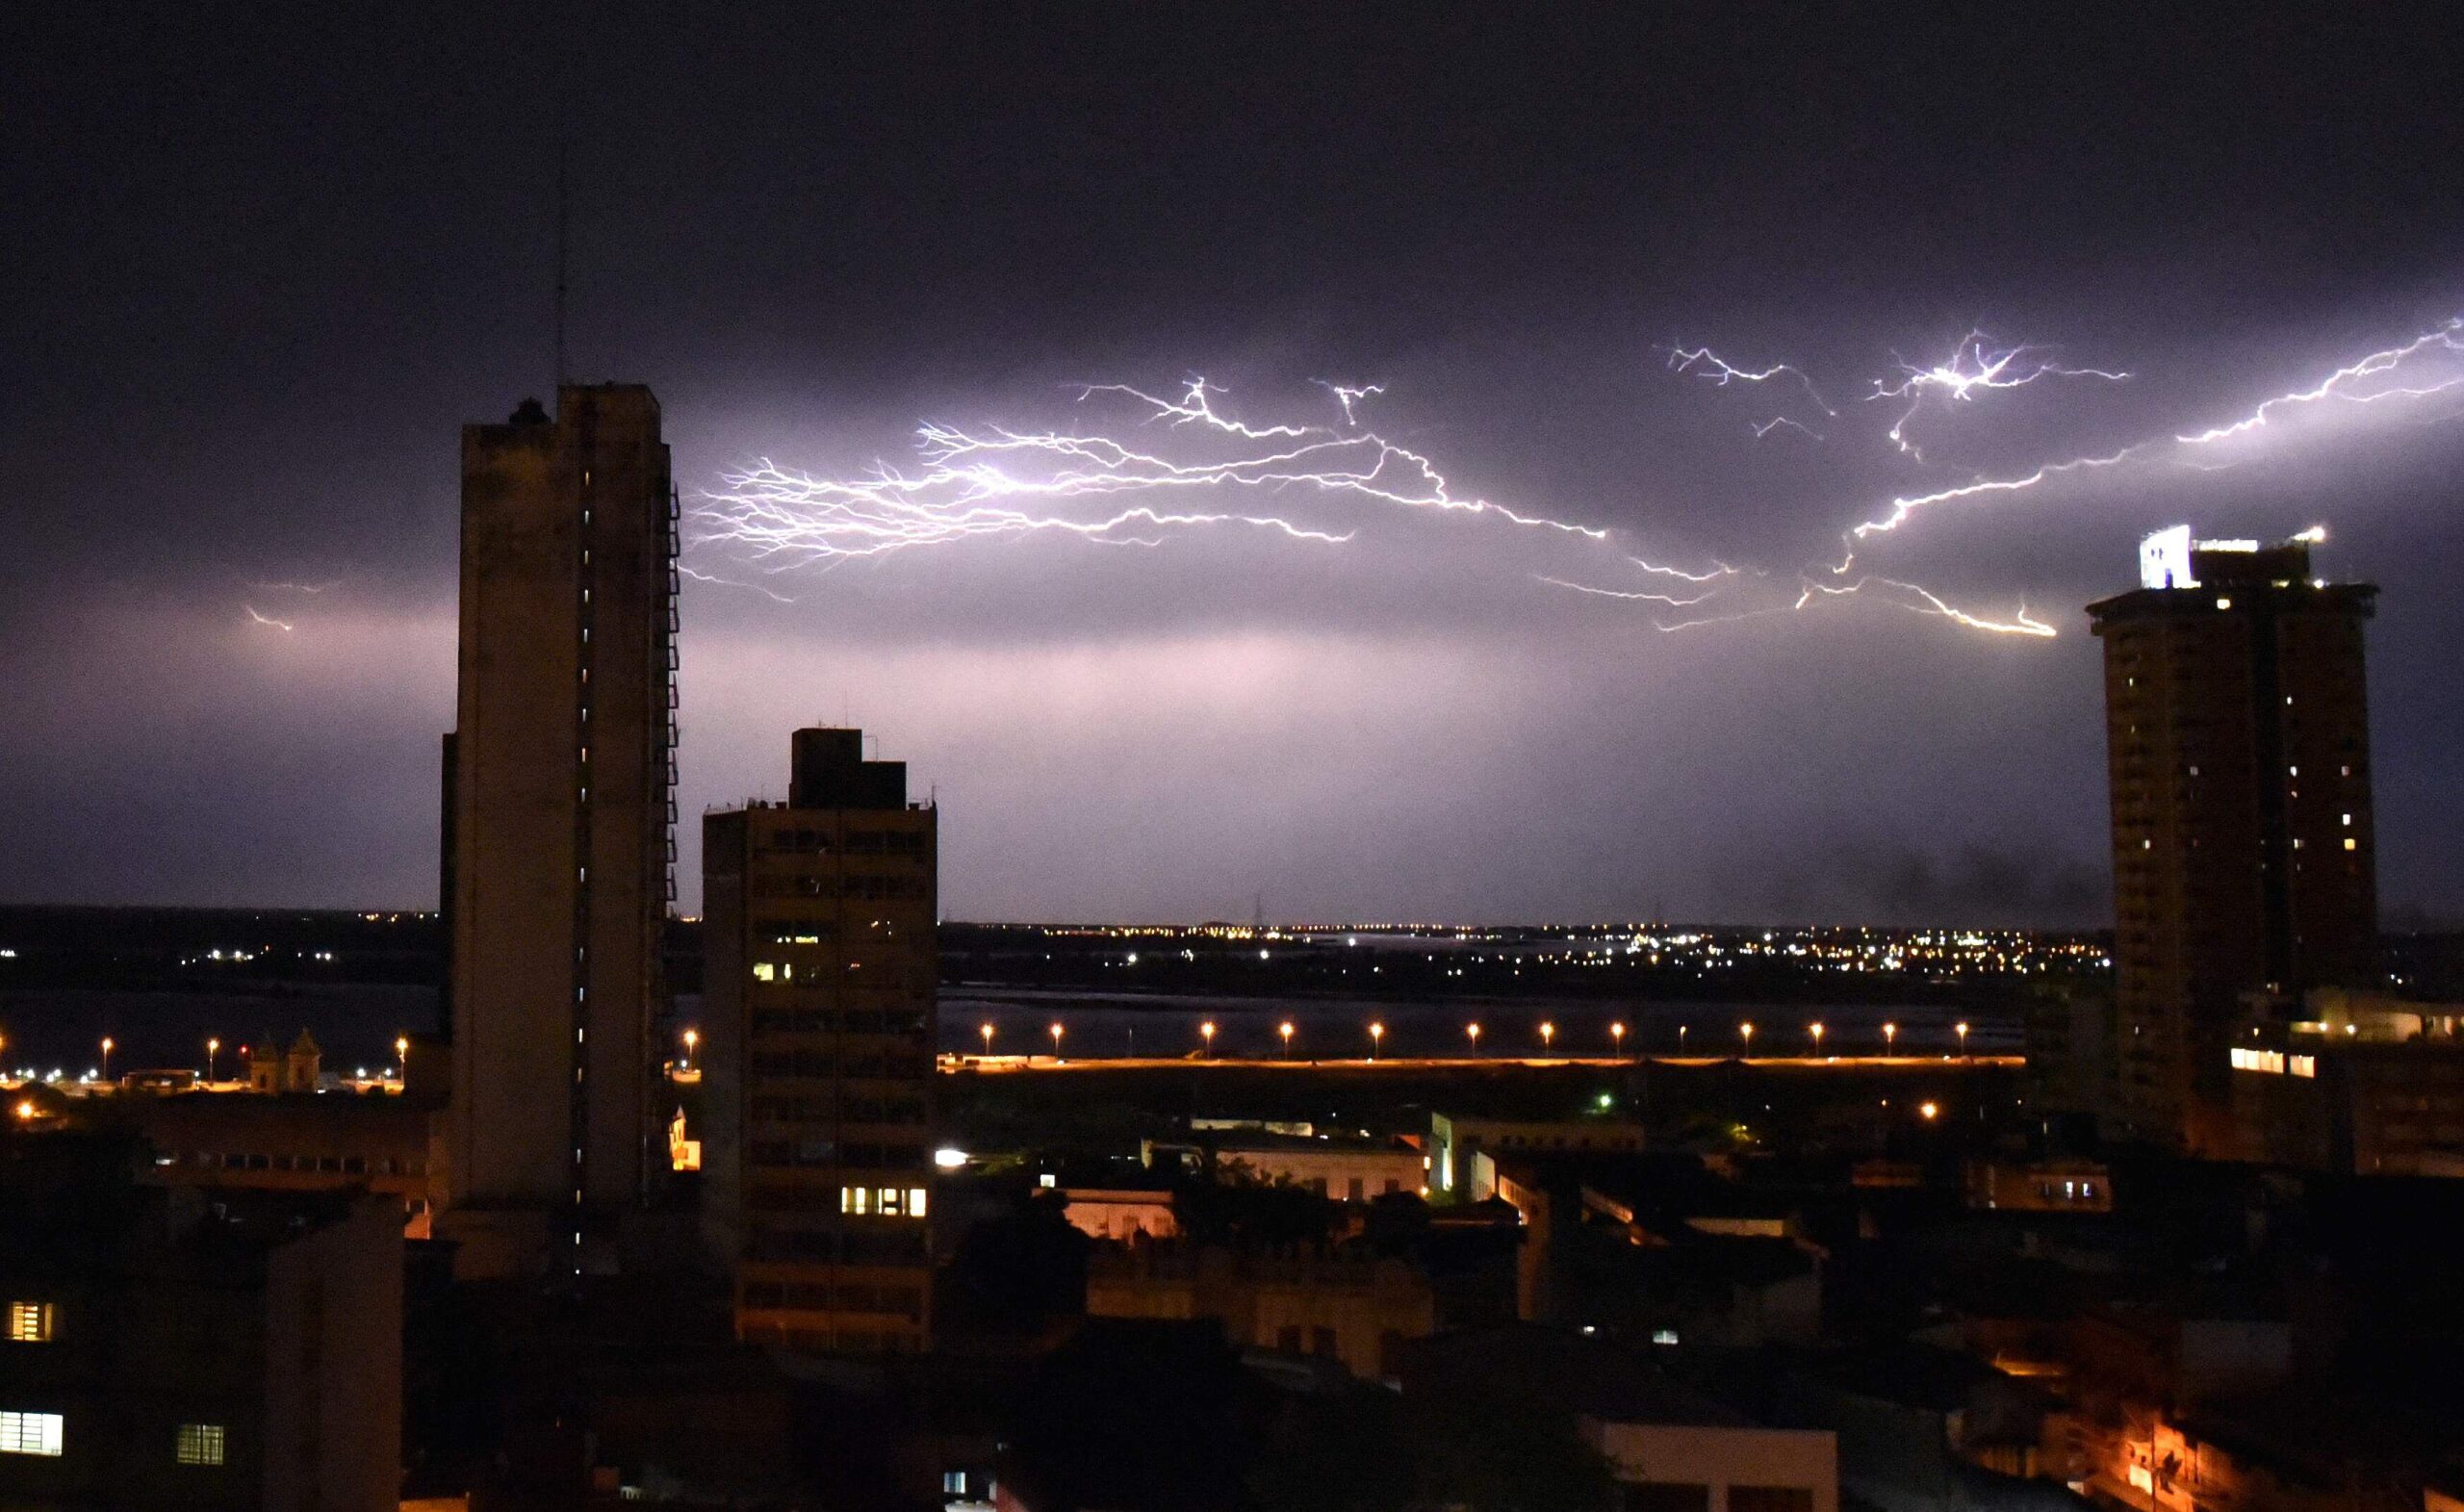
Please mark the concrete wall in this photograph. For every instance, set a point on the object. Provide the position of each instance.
(1720, 1458)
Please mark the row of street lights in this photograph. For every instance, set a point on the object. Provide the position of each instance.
(214, 1051)
(1547, 1031)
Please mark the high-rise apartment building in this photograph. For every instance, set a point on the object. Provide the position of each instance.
(2238, 738)
(560, 790)
(819, 974)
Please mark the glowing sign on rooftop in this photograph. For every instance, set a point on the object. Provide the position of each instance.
(2165, 559)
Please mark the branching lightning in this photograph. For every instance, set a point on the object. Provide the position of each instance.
(1121, 486)
(1705, 362)
(284, 625)
(1348, 397)
(1973, 365)
(1005, 485)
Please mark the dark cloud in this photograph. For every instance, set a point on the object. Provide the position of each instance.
(262, 267)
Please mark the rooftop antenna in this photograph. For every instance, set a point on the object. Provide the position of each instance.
(563, 216)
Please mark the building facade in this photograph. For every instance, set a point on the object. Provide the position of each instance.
(165, 1350)
(819, 981)
(2237, 742)
(561, 785)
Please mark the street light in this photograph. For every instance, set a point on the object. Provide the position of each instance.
(1473, 1031)
(1681, 1037)
(1377, 1036)
(1815, 1029)
(1929, 1110)
(1745, 1031)
(1285, 1029)
(1206, 1032)
(1890, 1035)
(1056, 1039)
(692, 1039)
(1961, 1030)
(1617, 1037)
(107, 1057)
(1548, 1035)
(986, 1030)
(211, 1048)
(402, 1055)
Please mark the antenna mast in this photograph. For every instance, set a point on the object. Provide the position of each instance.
(562, 216)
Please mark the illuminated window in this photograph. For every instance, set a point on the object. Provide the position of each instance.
(2351, 844)
(2302, 1064)
(764, 972)
(200, 1444)
(30, 1433)
(30, 1323)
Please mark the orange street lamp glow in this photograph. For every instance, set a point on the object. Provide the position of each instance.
(212, 1047)
(1206, 1032)
(1681, 1037)
(107, 1057)
(692, 1039)
(1929, 1110)
(1377, 1036)
(1815, 1029)
(1056, 1039)
(26, 1109)
(986, 1030)
(1285, 1029)
(1961, 1030)
(1745, 1031)
(1617, 1037)
(1890, 1035)
(1548, 1034)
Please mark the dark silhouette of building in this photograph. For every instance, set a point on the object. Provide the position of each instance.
(2238, 746)
(819, 971)
(561, 796)
(168, 1348)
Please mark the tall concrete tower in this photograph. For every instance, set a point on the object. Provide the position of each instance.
(2238, 740)
(560, 792)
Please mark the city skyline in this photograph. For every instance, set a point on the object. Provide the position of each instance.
(1425, 721)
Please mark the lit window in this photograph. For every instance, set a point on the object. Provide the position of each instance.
(200, 1444)
(30, 1323)
(2225, 603)
(30, 1433)
(916, 1202)
(2351, 844)
(764, 972)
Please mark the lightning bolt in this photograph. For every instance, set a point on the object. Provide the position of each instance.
(2332, 386)
(1349, 395)
(295, 587)
(2336, 386)
(1005, 485)
(1705, 362)
(1776, 422)
(1973, 365)
(279, 624)
(1671, 599)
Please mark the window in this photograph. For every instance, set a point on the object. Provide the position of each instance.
(200, 1444)
(30, 1323)
(30, 1433)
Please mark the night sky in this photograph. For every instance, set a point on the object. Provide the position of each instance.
(260, 264)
